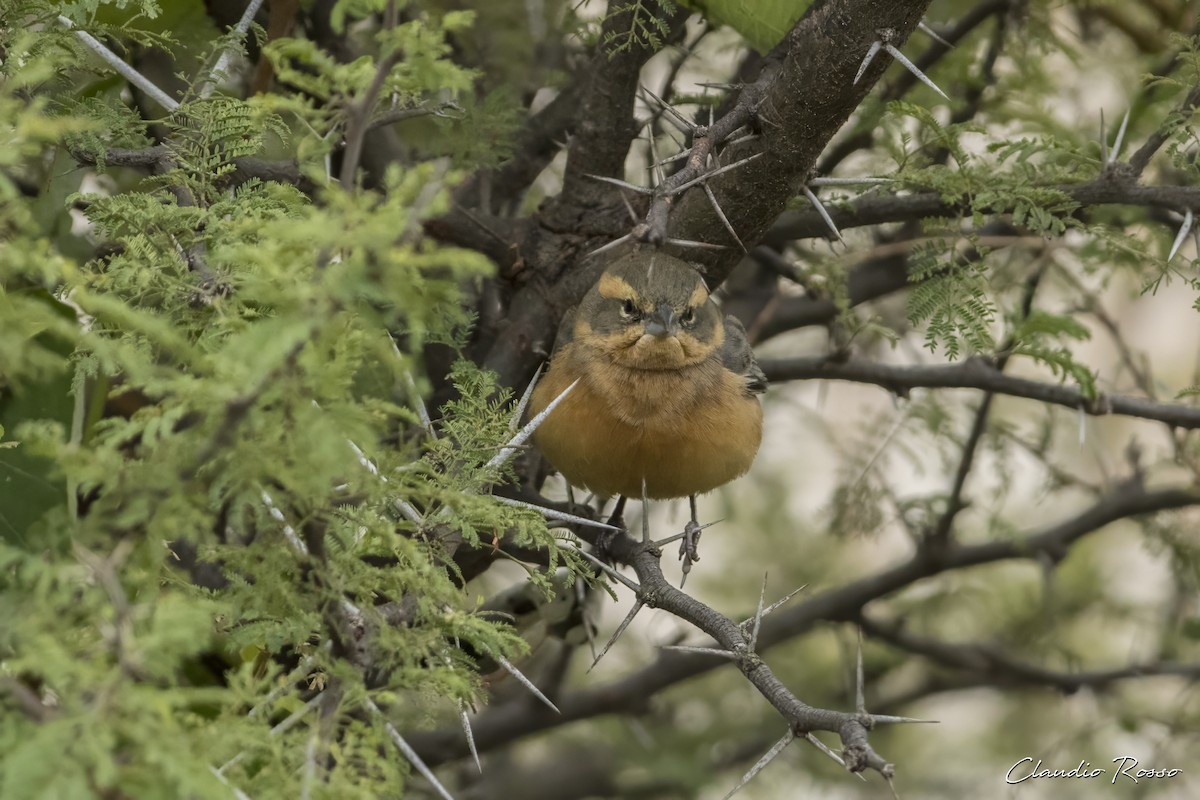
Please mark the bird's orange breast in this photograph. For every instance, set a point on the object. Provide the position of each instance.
(684, 431)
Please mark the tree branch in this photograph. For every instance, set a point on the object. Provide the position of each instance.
(606, 125)
(995, 667)
(840, 150)
(1142, 156)
(978, 374)
(804, 95)
(358, 113)
(1109, 189)
(502, 725)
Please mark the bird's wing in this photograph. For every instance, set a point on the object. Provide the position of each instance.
(738, 356)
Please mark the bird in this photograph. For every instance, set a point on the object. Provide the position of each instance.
(666, 405)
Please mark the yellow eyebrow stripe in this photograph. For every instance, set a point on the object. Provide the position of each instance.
(699, 295)
(611, 286)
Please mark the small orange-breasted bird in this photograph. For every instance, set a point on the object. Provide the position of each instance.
(667, 397)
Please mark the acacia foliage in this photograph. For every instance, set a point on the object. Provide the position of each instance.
(263, 343)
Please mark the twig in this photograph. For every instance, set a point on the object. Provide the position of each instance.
(359, 113)
(129, 73)
(978, 374)
(403, 746)
(767, 758)
(1142, 156)
(239, 34)
(512, 447)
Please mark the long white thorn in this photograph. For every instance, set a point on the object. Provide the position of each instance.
(409, 512)
(714, 173)
(129, 73)
(411, 385)
(218, 70)
(288, 531)
(1188, 218)
(704, 651)
(911, 67)
(867, 59)
(524, 402)
(933, 34)
(607, 570)
(637, 606)
(696, 245)
(309, 773)
(553, 513)
(513, 446)
(366, 462)
(613, 244)
(885, 719)
(633, 187)
(1104, 158)
(283, 727)
(274, 694)
(758, 615)
(528, 684)
(824, 748)
(783, 600)
(633, 217)
(770, 755)
(238, 793)
(419, 402)
(1116, 148)
(766, 612)
(677, 536)
(712, 198)
(817, 204)
(677, 157)
(684, 123)
(466, 724)
(405, 748)
(748, 137)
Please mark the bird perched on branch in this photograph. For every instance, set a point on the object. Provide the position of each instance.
(666, 405)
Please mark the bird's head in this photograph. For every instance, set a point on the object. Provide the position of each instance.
(650, 311)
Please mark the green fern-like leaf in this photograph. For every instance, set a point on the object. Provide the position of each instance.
(646, 25)
(952, 301)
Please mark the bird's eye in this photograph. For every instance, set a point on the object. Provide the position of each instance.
(688, 317)
(628, 309)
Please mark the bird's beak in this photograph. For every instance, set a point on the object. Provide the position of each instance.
(662, 322)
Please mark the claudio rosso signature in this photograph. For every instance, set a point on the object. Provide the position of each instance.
(1124, 767)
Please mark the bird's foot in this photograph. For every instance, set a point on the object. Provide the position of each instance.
(607, 537)
(689, 547)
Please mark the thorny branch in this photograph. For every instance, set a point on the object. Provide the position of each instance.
(977, 373)
(1113, 188)
(501, 725)
(733, 638)
(994, 666)
(359, 112)
(838, 151)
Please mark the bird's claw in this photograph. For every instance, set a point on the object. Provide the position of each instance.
(607, 537)
(689, 547)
